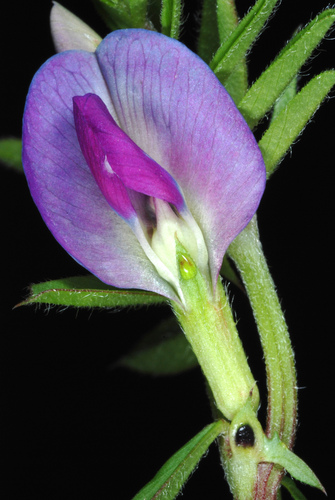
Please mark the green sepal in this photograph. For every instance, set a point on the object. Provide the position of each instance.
(122, 14)
(87, 291)
(291, 120)
(275, 451)
(210, 328)
(10, 153)
(232, 52)
(292, 488)
(172, 476)
(162, 351)
(171, 18)
(267, 89)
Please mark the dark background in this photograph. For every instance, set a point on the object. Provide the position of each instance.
(74, 429)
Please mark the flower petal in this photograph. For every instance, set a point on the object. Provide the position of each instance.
(174, 108)
(69, 32)
(62, 184)
(116, 161)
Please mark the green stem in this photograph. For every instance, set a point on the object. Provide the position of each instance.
(246, 251)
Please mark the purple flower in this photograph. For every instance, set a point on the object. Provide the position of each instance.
(135, 145)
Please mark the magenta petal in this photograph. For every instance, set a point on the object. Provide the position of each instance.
(89, 134)
(62, 184)
(172, 105)
(116, 162)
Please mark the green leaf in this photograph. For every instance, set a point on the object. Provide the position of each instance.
(227, 19)
(170, 478)
(208, 41)
(122, 14)
(10, 153)
(233, 50)
(237, 82)
(88, 291)
(292, 488)
(273, 81)
(289, 93)
(171, 18)
(213, 34)
(286, 96)
(276, 451)
(291, 120)
(162, 351)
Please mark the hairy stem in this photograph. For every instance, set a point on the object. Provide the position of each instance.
(246, 251)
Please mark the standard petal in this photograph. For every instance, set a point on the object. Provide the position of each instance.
(116, 162)
(62, 184)
(173, 107)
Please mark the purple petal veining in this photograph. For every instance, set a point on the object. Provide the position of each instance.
(159, 124)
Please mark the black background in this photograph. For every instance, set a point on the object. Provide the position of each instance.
(72, 428)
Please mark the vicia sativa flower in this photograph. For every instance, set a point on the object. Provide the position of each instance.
(134, 148)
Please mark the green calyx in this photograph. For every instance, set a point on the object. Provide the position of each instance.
(207, 321)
